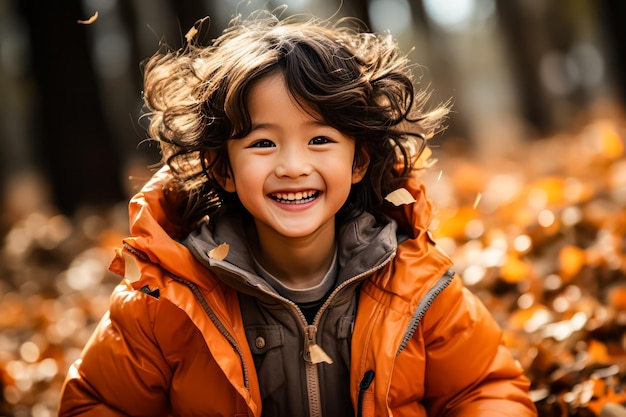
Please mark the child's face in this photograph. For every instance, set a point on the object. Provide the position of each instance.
(291, 172)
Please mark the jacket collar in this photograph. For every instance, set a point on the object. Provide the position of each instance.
(363, 246)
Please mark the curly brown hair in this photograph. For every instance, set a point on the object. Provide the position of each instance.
(355, 81)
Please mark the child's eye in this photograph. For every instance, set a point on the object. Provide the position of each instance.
(319, 140)
(263, 143)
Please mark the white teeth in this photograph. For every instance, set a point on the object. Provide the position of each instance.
(295, 198)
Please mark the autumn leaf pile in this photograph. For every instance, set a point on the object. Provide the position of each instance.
(541, 238)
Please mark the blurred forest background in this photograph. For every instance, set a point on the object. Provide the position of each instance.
(529, 177)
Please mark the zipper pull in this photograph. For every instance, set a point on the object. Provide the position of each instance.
(313, 353)
(368, 377)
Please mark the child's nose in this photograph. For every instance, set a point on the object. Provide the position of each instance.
(294, 163)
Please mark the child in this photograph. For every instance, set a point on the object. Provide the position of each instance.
(266, 273)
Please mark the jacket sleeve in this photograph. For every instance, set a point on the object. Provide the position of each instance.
(121, 371)
(469, 370)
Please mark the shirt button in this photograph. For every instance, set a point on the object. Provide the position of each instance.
(260, 342)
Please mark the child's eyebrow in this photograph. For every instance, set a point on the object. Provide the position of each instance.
(258, 126)
(269, 125)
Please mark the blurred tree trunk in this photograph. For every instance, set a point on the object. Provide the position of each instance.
(526, 39)
(71, 139)
(612, 14)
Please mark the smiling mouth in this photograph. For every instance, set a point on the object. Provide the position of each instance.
(299, 197)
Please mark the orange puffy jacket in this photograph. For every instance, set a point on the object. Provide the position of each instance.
(433, 347)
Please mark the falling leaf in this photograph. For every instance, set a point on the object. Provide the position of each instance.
(88, 21)
(191, 33)
(477, 200)
(219, 253)
(400, 197)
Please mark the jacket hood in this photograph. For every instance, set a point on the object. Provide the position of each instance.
(154, 233)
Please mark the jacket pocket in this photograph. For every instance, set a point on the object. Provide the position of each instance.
(265, 343)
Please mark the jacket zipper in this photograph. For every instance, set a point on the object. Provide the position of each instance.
(310, 336)
(220, 326)
(420, 311)
(207, 309)
(312, 378)
(348, 282)
(423, 307)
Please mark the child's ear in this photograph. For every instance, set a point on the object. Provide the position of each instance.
(360, 166)
(227, 182)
